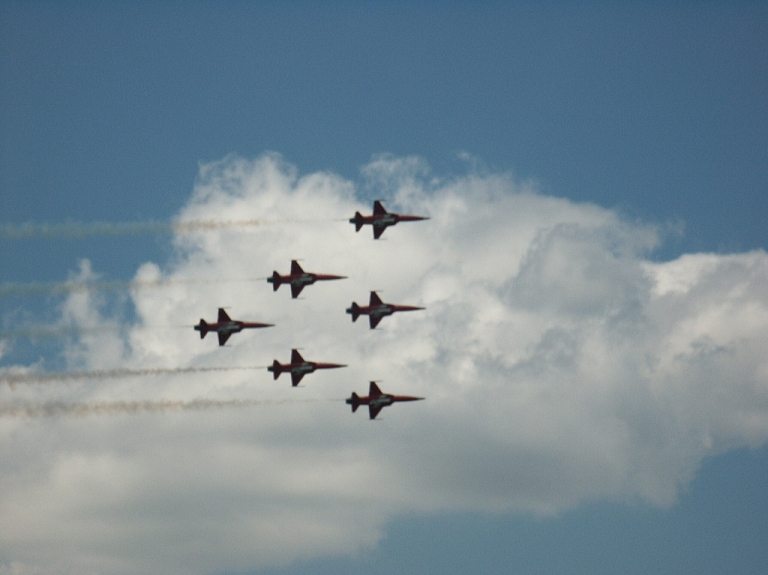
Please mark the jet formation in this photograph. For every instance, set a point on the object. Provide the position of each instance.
(226, 326)
(298, 279)
(381, 219)
(376, 310)
(376, 400)
(299, 367)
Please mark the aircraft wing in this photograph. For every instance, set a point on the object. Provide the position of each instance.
(373, 390)
(296, 356)
(223, 316)
(373, 411)
(374, 320)
(296, 378)
(296, 268)
(375, 299)
(296, 290)
(377, 231)
(223, 337)
(378, 209)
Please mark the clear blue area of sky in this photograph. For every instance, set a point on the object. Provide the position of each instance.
(659, 110)
(106, 110)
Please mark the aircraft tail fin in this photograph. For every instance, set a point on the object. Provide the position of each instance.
(355, 402)
(203, 328)
(355, 311)
(276, 281)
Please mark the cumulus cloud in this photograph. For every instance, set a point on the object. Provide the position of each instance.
(560, 365)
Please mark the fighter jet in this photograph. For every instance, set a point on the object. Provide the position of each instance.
(299, 367)
(381, 219)
(376, 400)
(377, 309)
(226, 326)
(298, 278)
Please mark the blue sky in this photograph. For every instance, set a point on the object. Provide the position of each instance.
(646, 119)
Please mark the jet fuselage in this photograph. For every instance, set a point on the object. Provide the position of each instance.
(229, 327)
(298, 279)
(376, 400)
(226, 326)
(381, 311)
(377, 309)
(299, 367)
(381, 219)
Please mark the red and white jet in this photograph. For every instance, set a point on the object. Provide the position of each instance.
(299, 367)
(377, 309)
(376, 400)
(381, 219)
(226, 326)
(298, 278)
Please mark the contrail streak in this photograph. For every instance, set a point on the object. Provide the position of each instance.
(80, 230)
(9, 289)
(36, 332)
(56, 408)
(13, 379)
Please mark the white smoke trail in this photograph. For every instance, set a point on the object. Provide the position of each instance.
(15, 378)
(37, 332)
(10, 289)
(79, 230)
(57, 408)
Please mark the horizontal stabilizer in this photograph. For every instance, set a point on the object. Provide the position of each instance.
(358, 221)
(275, 280)
(355, 310)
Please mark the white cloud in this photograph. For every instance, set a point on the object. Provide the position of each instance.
(560, 365)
